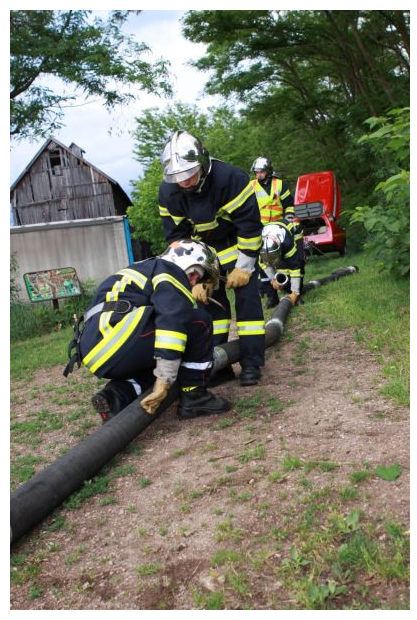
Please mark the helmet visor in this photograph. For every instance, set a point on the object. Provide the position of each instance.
(177, 177)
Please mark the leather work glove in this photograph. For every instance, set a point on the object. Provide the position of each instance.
(293, 298)
(275, 285)
(151, 402)
(237, 278)
(202, 291)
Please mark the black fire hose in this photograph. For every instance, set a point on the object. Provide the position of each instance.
(47, 489)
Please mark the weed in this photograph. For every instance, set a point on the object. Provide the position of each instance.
(291, 462)
(253, 454)
(107, 501)
(148, 569)
(227, 556)
(359, 476)
(144, 482)
(214, 600)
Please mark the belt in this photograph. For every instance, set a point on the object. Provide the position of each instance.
(121, 307)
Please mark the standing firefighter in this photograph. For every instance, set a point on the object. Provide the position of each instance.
(275, 202)
(144, 323)
(208, 198)
(281, 259)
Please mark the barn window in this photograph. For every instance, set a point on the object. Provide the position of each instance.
(57, 161)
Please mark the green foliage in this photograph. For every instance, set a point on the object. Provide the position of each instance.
(144, 218)
(388, 221)
(95, 57)
(390, 473)
(306, 80)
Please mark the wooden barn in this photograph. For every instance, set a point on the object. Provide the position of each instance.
(59, 184)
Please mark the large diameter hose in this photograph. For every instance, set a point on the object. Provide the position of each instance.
(47, 489)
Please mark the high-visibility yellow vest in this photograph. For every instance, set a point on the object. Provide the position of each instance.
(270, 206)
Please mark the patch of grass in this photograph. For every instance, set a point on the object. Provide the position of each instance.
(227, 556)
(144, 482)
(359, 476)
(291, 462)
(45, 351)
(248, 406)
(224, 423)
(253, 454)
(227, 531)
(214, 600)
(95, 486)
(148, 569)
(23, 468)
(178, 453)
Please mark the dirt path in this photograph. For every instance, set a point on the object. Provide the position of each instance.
(240, 511)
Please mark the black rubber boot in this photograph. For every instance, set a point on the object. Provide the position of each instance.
(221, 376)
(250, 375)
(113, 398)
(273, 300)
(200, 402)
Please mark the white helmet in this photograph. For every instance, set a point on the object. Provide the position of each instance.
(262, 164)
(272, 238)
(182, 157)
(193, 255)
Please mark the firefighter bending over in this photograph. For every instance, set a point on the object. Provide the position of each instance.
(205, 197)
(281, 261)
(275, 202)
(144, 323)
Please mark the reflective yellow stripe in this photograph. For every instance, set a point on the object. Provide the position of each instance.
(239, 200)
(166, 277)
(206, 226)
(295, 273)
(163, 212)
(252, 243)
(228, 255)
(291, 252)
(112, 342)
(104, 323)
(165, 339)
(130, 275)
(189, 389)
(221, 326)
(250, 328)
(285, 194)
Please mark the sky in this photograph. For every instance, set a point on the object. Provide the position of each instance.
(106, 137)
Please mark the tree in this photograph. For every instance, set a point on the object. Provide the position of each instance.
(387, 222)
(93, 56)
(310, 78)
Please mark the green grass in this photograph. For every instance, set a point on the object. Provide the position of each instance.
(45, 351)
(373, 304)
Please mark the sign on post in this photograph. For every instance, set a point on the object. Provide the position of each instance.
(52, 284)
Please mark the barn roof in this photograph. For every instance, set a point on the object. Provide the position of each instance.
(66, 148)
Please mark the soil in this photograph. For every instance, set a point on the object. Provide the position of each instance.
(196, 487)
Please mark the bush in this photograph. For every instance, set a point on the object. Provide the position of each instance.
(388, 221)
(28, 320)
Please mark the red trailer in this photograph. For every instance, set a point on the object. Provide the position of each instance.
(317, 205)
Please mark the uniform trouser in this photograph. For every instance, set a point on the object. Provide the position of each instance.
(264, 285)
(249, 320)
(134, 360)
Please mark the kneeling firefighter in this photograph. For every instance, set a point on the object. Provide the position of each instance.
(144, 322)
(281, 260)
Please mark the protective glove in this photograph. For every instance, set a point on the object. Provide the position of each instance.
(237, 278)
(202, 291)
(275, 285)
(151, 402)
(293, 298)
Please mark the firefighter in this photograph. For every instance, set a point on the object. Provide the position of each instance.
(281, 260)
(215, 201)
(144, 323)
(275, 202)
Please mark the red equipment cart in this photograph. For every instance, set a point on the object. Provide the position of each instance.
(317, 205)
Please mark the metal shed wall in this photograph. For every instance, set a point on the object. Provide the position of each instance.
(95, 248)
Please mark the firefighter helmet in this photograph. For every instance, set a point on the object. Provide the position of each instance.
(183, 156)
(272, 239)
(193, 255)
(262, 164)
